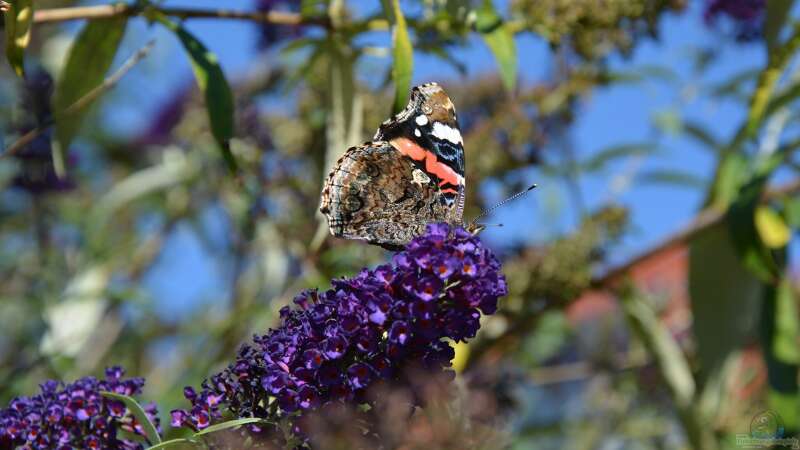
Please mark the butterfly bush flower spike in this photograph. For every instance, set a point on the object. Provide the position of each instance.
(379, 325)
(75, 416)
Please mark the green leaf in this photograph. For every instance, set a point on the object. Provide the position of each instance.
(658, 340)
(402, 54)
(701, 135)
(170, 443)
(229, 424)
(780, 347)
(88, 61)
(602, 158)
(747, 240)
(725, 298)
(777, 13)
(748, 243)
(18, 21)
(150, 431)
(500, 39)
(731, 173)
(772, 228)
(212, 82)
(672, 177)
(786, 340)
(791, 210)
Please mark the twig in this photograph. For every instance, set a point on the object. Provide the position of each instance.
(82, 102)
(122, 9)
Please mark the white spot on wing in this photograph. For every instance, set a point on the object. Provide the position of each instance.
(420, 177)
(417, 133)
(422, 120)
(447, 133)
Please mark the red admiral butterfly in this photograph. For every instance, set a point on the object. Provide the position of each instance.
(411, 174)
(388, 190)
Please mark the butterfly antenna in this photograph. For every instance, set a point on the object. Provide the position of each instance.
(513, 197)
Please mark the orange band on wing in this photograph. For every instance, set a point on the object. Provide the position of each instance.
(432, 165)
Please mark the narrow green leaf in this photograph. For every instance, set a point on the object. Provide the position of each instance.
(777, 13)
(171, 443)
(731, 173)
(658, 340)
(701, 135)
(212, 82)
(500, 39)
(672, 177)
(602, 158)
(150, 431)
(791, 210)
(780, 359)
(89, 59)
(402, 54)
(778, 58)
(786, 340)
(229, 424)
(18, 21)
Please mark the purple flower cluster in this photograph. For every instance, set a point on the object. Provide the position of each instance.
(746, 15)
(379, 325)
(75, 416)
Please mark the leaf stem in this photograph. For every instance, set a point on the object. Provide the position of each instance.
(123, 9)
(82, 102)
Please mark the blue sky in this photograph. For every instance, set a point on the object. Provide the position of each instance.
(621, 114)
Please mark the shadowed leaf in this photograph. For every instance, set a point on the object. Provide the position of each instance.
(212, 82)
(89, 59)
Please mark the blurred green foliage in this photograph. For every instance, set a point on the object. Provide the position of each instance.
(84, 226)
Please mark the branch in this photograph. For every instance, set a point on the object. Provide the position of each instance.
(123, 9)
(82, 102)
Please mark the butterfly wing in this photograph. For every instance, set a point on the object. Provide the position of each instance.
(377, 194)
(410, 175)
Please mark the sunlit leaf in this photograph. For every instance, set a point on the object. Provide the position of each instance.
(212, 82)
(170, 443)
(771, 227)
(500, 40)
(18, 21)
(732, 171)
(150, 431)
(88, 61)
(229, 424)
(778, 58)
(402, 54)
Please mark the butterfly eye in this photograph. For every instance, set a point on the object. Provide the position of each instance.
(427, 109)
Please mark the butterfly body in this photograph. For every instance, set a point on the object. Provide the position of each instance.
(388, 190)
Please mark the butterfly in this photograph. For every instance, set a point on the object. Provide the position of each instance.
(411, 174)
